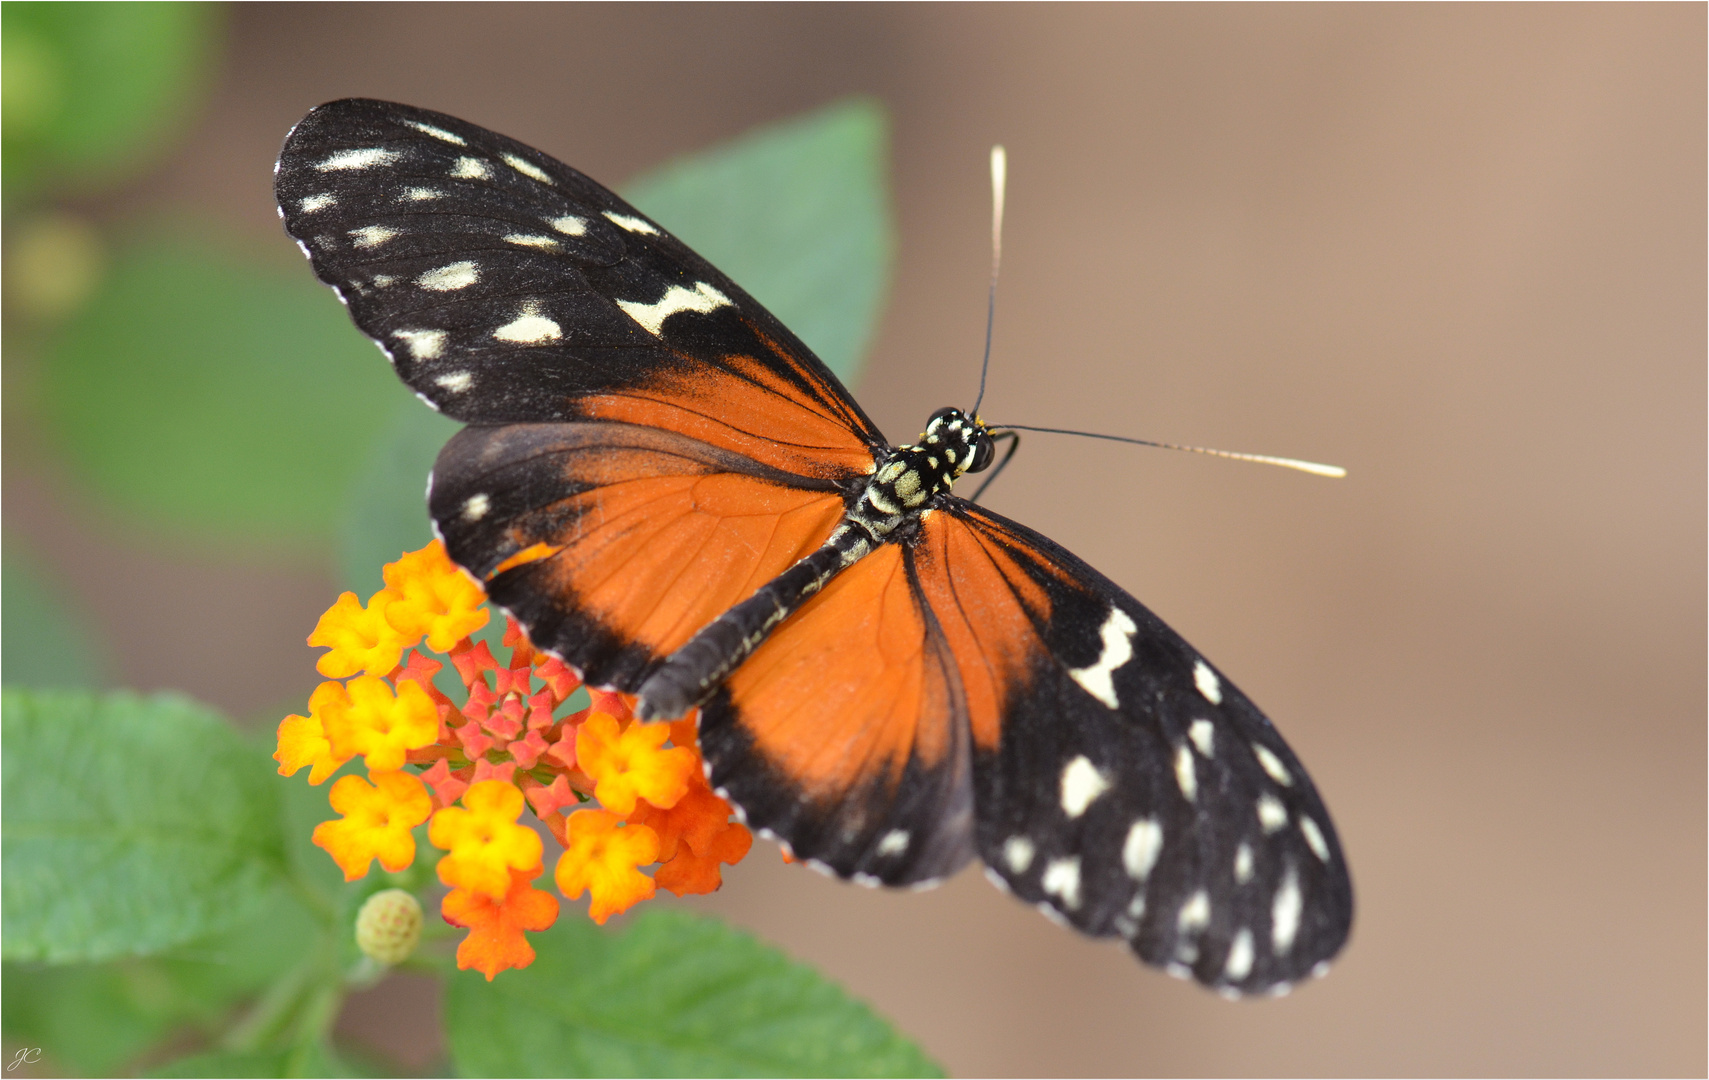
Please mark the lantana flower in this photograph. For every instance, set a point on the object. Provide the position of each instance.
(472, 770)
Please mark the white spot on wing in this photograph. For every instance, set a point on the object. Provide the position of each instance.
(1314, 838)
(456, 382)
(1117, 637)
(651, 317)
(457, 275)
(1272, 815)
(1272, 764)
(531, 240)
(632, 224)
(1062, 880)
(1018, 852)
(1185, 772)
(1195, 914)
(1203, 736)
(1082, 783)
(569, 225)
(1144, 843)
(317, 202)
(1243, 863)
(475, 507)
(437, 133)
(1239, 964)
(359, 159)
(895, 842)
(422, 344)
(1205, 679)
(1285, 914)
(421, 194)
(369, 236)
(529, 328)
(468, 168)
(526, 168)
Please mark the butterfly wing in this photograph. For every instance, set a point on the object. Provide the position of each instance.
(506, 287)
(1129, 788)
(648, 444)
(979, 690)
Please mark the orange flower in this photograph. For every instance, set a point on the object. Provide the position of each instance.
(484, 840)
(630, 764)
(495, 940)
(693, 872)
(601, 859)
(373, 722)
(360, 637)
(302, 739)
(377, 821)
(433, 597)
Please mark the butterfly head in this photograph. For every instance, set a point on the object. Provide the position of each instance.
(964, 440)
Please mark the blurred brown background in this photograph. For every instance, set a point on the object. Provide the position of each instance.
(1459, 250)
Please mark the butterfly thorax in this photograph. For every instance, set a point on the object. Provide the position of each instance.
(910, 475)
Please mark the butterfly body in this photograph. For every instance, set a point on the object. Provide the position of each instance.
(670, 492)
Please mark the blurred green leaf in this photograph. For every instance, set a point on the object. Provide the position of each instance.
(129, 825)
(799, 215)
(94, 1018)
(89, 89)
(207, 392)
(672, 995)
(46, 639)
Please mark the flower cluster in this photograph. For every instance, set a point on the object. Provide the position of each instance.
(470, 770)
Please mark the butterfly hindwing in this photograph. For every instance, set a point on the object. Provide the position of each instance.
(847, 736)
(613, 543)
(1134, 791)
(506, 287)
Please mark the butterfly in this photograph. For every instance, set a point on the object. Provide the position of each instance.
(671, 493)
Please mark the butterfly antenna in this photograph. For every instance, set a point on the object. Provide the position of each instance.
(999, 179)
(1263, 459)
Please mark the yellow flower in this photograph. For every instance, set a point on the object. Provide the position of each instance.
(484, 841)
(601, 858)
(377, 821)
(360, 637)
(630, 764)
(433, 597)
(372, 722)
(302, 739)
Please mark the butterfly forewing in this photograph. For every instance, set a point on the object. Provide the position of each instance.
(1136, 792)
(507, 287)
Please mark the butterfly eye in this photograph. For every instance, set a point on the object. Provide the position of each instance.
(982, 453)
(947, 410)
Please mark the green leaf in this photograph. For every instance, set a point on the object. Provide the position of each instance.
(91, 89)
(209, 392)
(672, 995)
(94, 1018)
(47, 642)
(799, 215)
(130, 825)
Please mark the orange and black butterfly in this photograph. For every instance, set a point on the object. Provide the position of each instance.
(671, 493)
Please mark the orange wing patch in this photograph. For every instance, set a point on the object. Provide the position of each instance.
(846, 690)
(989, 610)
(748, 407)
(657, 559)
